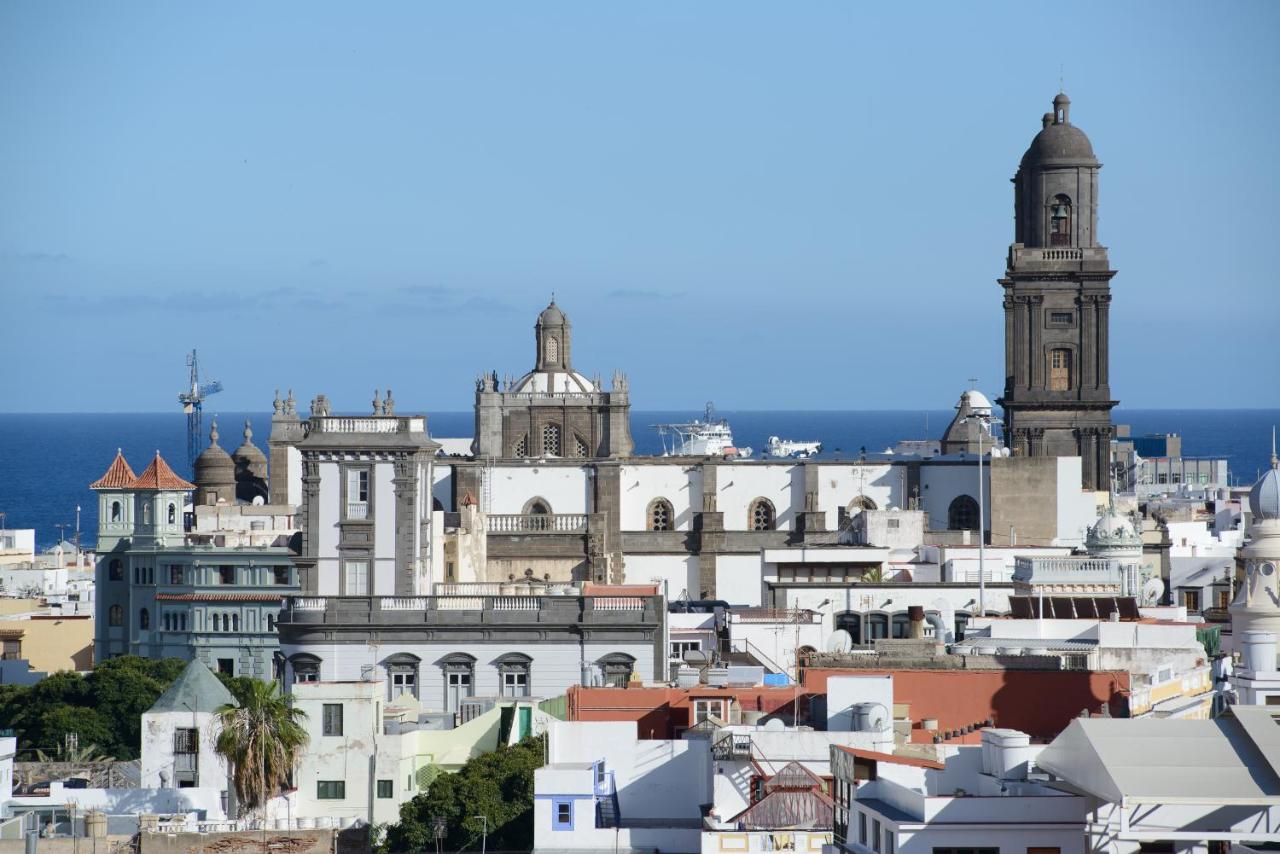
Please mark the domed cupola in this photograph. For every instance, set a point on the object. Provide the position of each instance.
(250, 468)
(1113, 535)
(970, 431)
(215, 473)
(1264, 498)
(1059, 142)
(1257, 603)
(1055, 189)
(553, 368)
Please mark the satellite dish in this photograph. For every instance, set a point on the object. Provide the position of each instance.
(840, 641)
(1152, 591)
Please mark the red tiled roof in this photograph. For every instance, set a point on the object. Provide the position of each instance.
(118, 476)
(891, 757)
(158, 475)
(218, 597)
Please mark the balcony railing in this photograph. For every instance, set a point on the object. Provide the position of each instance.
(379, 424)
(537, 523)
(357, 510)
(362, 610)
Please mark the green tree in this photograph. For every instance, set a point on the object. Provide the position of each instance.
(262, 739)
(497, 785)
(49, 733)
(122, 689)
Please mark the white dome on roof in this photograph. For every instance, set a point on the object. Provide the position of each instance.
(979, 403)
(554, 382)
(1113, 531)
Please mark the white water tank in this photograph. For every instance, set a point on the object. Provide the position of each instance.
(1258, 649)
(1011, 753)
(870, 717)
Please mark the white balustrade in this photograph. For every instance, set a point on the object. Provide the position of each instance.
(404, 603)
(310, 604)
(619, 603)
(460, 603)
(517, 603)
(469, 588)
(536, 523)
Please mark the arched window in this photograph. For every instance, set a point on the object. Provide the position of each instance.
(551, 440)
(146, 512)
(1060, 369)
(616, 669)
(1060, 221)
(521, 448)
(962, 515)
(580, 449)
(116, 511)
(860, 503)
(306, 668)
(877, 626)
(402, 673)
(459, 679)
(271, 622)
(852, 623)
(537, 507)
(235, 622)
(115, 616)
(760, 515)
(661, 516)
(217, 622)
(144, 619)
(901, 625)
(173, 513)
(514, 676)
(553, 349)
(115, 570)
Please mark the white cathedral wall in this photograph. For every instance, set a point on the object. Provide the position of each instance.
(442, 486)
(639, 485)
(740, 484)
(838, 485)
(680, 572)
(1077, 509)
(738, 579)
(942, 484)
(563, 487)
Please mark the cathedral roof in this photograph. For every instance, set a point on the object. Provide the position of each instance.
(158, 476)
(195, 690)
(1060, 142)
(248, 451)
(1264, 498)
(214, 467)
(555, 382)
(118, 476)
(552, 315)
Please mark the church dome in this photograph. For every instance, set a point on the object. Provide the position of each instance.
(1264, 498)
(551, 315)
(1060, 143)
(979, 403)
(215, 471)
(554, 382)
(248, 453)
(1112, 531)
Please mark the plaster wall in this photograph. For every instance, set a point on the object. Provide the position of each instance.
(838, 485)
(680, 572)
(942, 484)
(742, 483)
(565, 488)
(677, 483)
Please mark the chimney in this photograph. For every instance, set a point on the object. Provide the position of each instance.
(915, 613)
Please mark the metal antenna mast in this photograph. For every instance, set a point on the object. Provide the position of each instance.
(192, 402)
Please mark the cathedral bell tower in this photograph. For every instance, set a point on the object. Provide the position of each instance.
(1057, 296)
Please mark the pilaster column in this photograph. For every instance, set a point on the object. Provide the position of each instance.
(308, 518)
(1009, 339)
(1021, 323)
(1104, 339)
(1088, 341)
(1036, 318)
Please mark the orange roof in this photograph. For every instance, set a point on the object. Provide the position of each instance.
(877, 756)
(158, 475)
(118, 476)
(592, 588)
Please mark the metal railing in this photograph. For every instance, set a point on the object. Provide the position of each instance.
(536, 523)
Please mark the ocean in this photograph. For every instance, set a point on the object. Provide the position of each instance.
(48, 461)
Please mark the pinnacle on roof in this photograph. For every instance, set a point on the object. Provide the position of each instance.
(195, 690)
(118, 476)
(160, 476)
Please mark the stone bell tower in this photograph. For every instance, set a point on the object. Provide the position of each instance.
(1057, 299)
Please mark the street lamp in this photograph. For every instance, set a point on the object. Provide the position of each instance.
(484, 836)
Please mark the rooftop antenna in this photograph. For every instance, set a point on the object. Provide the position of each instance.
(192, 402)
(1061, 90)
(1275, 461)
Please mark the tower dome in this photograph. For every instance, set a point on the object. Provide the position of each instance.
(551, 315)
(1256, 606)
(250, 468)
(1113, 535)
(1059, 142)
(1264, 498)
(215, 473)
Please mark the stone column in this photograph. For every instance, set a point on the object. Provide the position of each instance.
(1088, 339)
(1010, 333)
(1021, 323)
(1103, 341)
(1036, 317)
(308, 517)
(607, 511)
(404, 485)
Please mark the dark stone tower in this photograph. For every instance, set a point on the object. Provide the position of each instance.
(1057, 294)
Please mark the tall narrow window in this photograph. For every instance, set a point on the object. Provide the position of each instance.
(115, 511)
(551, 440)
(521, 448)
(760, 516)
(1060, 370)
(173, 514)
(1060, 221)
(553, 349)
(513, 674)
(115, 570)
(144, 619)
(115, 616)
(331, 719)
(357, 493)
(357, 578)
(459, 680)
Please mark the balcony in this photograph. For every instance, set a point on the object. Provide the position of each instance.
(1057, 258)
(357, 510)
(537, 523)
(428, 611)
(368, 424)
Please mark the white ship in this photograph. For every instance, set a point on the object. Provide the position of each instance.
(776, 447)
(710, 437)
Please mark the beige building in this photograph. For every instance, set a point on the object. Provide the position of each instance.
(48, 642)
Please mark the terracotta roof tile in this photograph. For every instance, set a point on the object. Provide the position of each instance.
(118, 476)
(158, 475)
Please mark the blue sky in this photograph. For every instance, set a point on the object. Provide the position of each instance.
(768, 205)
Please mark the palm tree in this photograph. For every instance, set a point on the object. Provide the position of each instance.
(262, 739)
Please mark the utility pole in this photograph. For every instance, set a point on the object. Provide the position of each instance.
(484, 834)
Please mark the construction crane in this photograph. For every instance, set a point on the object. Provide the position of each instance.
(192, 402)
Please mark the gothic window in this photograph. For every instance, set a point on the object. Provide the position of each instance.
(115, 511)
(962, 515)
(144, 619)
(860, 503)
(760, 516)
(115, 616)
(459, 679)
(402, 673)
(521, 448)
(173, 513)
(616, 668)
(514, 675)
(115, 570)
(580, 449)
(1060, 370)
(553, 349)
(661, 516)
(1060, 221)
(551, 440)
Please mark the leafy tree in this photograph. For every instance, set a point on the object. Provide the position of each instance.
(497, 785)
(49, 733)
(262, 739)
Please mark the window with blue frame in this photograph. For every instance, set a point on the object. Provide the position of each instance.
(562, 814)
